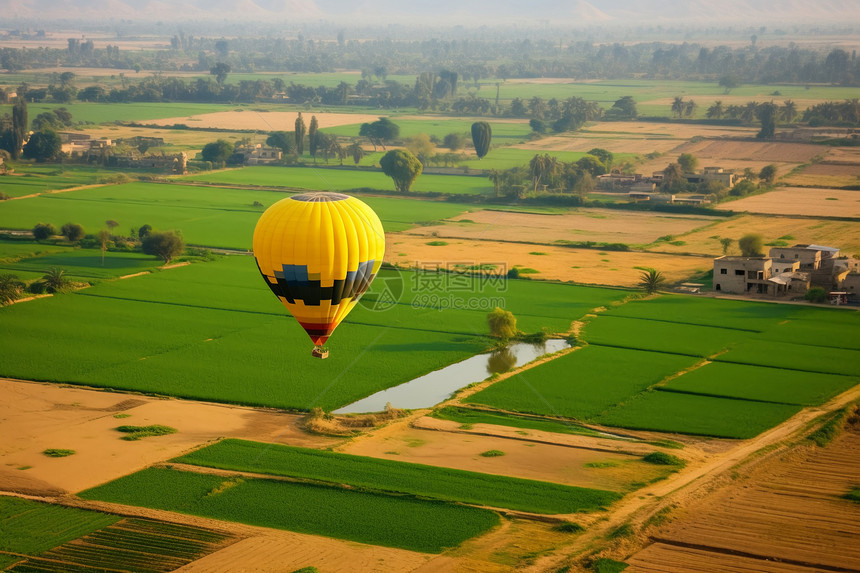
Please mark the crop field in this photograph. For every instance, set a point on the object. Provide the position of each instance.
(335, 179)
(31, 179)
(394, 521)
(816, 202)
(645, 334)
(761, 383)
(399, 477)
(221, 317)
(110, 112)
(698, 415)
(32, 527)
(59, 539)
(206, 216)
(818, 327)
(795, 357)
(582, 384)
(80, 264)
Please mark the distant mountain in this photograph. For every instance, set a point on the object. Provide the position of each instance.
(468, 13)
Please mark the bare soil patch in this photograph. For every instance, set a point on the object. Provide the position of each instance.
(585, 142)
(261, 120)
(816, 202)
(677, 131)
(597, 225)
(523, 458)
(585, 266)
(35, 417)
(753, 150)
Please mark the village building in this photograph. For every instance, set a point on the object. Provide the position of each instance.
(261, 155)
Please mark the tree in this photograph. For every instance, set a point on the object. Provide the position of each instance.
(220, 71)
(282, 140)
(502, 323)
(380, 131)
(673, 179)
(768, 174)
(651, 280)
(20, 125)
(766, 114)
(300, 130)
(356, 151)
(688, 162)
(481, 137)
(421, 146)
(788, 111)
(726, 242)
(605, 157)
(10, 288)
(217, 152)
(751, 245)
(716, 111)
(55, 280)
(103, 238)
(43, 146)
(144, 231)
(163, 244)
(44, 231)
(623, 108)
(313, 141)
(111, 224)
(728, 83)
(678, 106)
(73, 232)
(402, 167)
(453, 141)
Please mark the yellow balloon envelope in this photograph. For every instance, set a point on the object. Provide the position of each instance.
(319, 252)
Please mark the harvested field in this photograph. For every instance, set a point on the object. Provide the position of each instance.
(585, 142)
(752, 150)
(586, 266)
(264, 121)
(791, 230)
(596, 225)
(816, 202)
(789, 510)
(828, 168)
(681, 132)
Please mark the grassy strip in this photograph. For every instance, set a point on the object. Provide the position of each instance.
(405, 522)
(386, 475)
(32, 527)
(134, 433)
(795, 357)
(830, 429)
(475, 416)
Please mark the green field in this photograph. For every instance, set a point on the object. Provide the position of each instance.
(206, 216)
(581, 384)
(220, 317)
(81, 264)
(699, 415)
(393, 521)
(760, 383)
(692, 340)
(32, 527)
(399, 477)
(28, 179)
(795, 357)
(337, 179)
(137, 111)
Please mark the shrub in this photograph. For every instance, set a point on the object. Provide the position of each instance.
(58, 453)
(816, 294)
(43, 231)
(568, 527)
(73, 232)
(503, 323)
(138, 432)
(165, 245)
(492, 453)
(663, 459)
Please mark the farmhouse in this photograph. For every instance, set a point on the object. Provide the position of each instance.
(261, 155)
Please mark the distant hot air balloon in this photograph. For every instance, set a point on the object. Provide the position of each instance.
(481, 136)
(318, 252)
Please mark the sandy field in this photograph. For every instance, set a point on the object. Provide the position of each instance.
(170, 136)
(773, 152)
(816, 202)
(586, 142)
(681, 132)
(35, 417)
(842, 234)
(585, 266)
(598, 225)
(788, 510)
(263, 120)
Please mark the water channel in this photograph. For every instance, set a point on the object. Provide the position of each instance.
(428, 390)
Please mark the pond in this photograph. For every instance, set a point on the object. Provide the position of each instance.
(428, 390)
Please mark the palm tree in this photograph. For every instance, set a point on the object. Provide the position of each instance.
(651, 280)
(10, 288)
(788, 111)
(748, 112)
(55, 280)
(678, 106)
(689, 107)
(356, 151)
(716, 111)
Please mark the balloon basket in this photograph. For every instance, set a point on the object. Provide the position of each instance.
(319, 352)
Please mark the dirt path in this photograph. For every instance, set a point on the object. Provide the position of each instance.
(650, 499)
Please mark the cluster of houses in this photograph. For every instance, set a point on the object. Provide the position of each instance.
(84, 147)
(643, 188)
(789, 272)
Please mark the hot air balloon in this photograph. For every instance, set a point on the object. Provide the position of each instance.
(319, 252)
